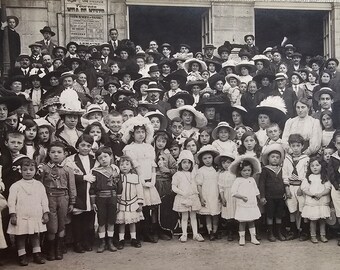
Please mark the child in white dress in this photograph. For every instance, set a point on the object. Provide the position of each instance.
(28, 209)
(225, 182)
(207, 182)
(223, 136)
(186, 200)
(138, 135)
(317, 189)
(246, 192)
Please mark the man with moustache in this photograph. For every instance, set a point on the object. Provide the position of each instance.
(154, 94)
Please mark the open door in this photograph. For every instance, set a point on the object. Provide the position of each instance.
(327, 35)
(206, 28)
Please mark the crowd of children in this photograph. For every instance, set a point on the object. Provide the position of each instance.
(107, 156)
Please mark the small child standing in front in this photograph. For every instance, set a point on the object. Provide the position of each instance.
(28, 209)
(294, 171)
(59, 182)
(131, 203)
(186, 200)
(114, 121)
(225, 182)
(273, 132)
(207, 183)
(104, 193)
(272, 189)
(245, 190)
(317, 189)
(223, 136)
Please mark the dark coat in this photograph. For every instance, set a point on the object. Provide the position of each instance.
(290, 98)
(14, 46)
(48, 48)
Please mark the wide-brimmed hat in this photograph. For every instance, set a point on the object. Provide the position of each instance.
(230, 155)
(318, 60)
(232, 132)
(138, 83)
(269, 149)
(264, 73)
(131, 69)
(153, 87)
(200, 119)
(229, 63)
(46, 79)
(129, 125)
(130, 51)
(47, 29)
(249, 35)
(12, 102)
(223, 48)
(63, 110)
(185, 154)
(15, 19)
(217, 64)
(188, 99)
(178, 76)
(215, 78)
(147, 104)
(120, 92)
(253, 160)
(162, 118)
(190, 84)
(247, 64)
(59, 47)
(229, 76)
(15, 78)
(274, 107)
(68, 62)
(91, 109)
(51, 101)
(112, 80)
(268, 49)
(226, 113)
(331, 59)
(262, 58)
(281, 76)
(187, 64)
(67, 74)
(324, 90)
(219, 102)
(207, 149)
(245, 52)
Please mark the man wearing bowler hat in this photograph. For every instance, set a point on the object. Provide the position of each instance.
(47, 44)
(154, 95)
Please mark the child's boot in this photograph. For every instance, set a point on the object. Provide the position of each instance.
(101, 246)
(304, 231)
(313, 239)
(271, 237)
(230, 236)
(323, 239)
(280, 236)
(253, 239)
(59, 255)
(242, 241)
(51, 250)
(37, 258)
(23, 260)
(154, 232)
(293, 233)
(111, 246)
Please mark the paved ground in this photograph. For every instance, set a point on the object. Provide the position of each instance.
(207, 255)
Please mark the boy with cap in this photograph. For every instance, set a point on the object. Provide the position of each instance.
(325, 99)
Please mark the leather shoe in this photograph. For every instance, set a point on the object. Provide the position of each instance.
(135, 243)
(120, 244)
(78, 248)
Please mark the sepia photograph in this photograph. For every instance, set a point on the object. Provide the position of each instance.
(157, 134)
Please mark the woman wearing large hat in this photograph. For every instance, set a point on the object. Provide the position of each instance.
(261, 62)
(228, 67)
(244, 69)
(193, 120)
(181, 98)
(195, 89)
(139, 86)
(174, 83)
(194, 67)
(264, 80)
(129, 74)
(236, 115)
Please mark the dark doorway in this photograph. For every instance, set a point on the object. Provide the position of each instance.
(174, 25)
(303, 28)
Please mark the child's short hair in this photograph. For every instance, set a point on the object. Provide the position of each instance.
(295, 138)
(14, 134)
(86, 138)
(27, 162)
(103, 149)
(110, 115)
(176, 119)
(271, 125)
(56, 144)
(174, 143)
(181, 169)
(241, 166)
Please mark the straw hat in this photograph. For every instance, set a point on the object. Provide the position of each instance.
(248, 64)
(91, 109)
(207, 149)
(129, 125)
(269, 149)
(189, 62)
(51, 101)
(162, 118)
(200, 119)
(201, 83)
(264, 59)
(232, 132)
(233, 76)
(224, 154)
(254, 161)
(324, 90)
(66, 75)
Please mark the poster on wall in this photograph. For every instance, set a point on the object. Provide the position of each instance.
(86, 6)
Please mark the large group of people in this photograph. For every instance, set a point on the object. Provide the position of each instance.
(115, 142)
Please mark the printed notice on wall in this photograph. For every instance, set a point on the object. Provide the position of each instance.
(87, 29)
(86, 6)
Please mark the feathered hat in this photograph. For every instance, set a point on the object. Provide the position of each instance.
(274, 107)
(129, 125)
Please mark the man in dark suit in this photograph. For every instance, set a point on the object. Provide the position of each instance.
(25, 66)
(113, 41)
(209, 53)
(106, 59)
(154, 93)
(287, 94)
(13, 39)
(36, 57)
(47, 44)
